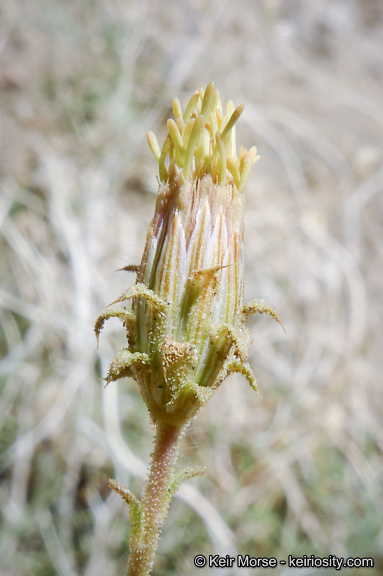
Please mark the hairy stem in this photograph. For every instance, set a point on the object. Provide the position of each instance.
(155, 501)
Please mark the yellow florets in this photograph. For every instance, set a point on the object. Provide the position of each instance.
(202, 141)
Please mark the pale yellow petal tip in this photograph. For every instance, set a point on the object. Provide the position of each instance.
(153, 145)
(201, 140)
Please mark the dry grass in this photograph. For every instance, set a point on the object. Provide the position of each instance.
(297, 472)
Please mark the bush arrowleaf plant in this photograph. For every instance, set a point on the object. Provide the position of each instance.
(185, 316)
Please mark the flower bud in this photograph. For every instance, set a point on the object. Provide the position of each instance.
(185, 328)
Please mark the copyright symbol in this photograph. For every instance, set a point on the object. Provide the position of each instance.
(200, 561)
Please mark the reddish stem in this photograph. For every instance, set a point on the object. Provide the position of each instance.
(155, 501)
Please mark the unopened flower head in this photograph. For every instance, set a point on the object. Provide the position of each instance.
(185, 327)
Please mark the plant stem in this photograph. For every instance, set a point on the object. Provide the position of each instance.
(155, 501)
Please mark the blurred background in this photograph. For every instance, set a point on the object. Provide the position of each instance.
(296, 471)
